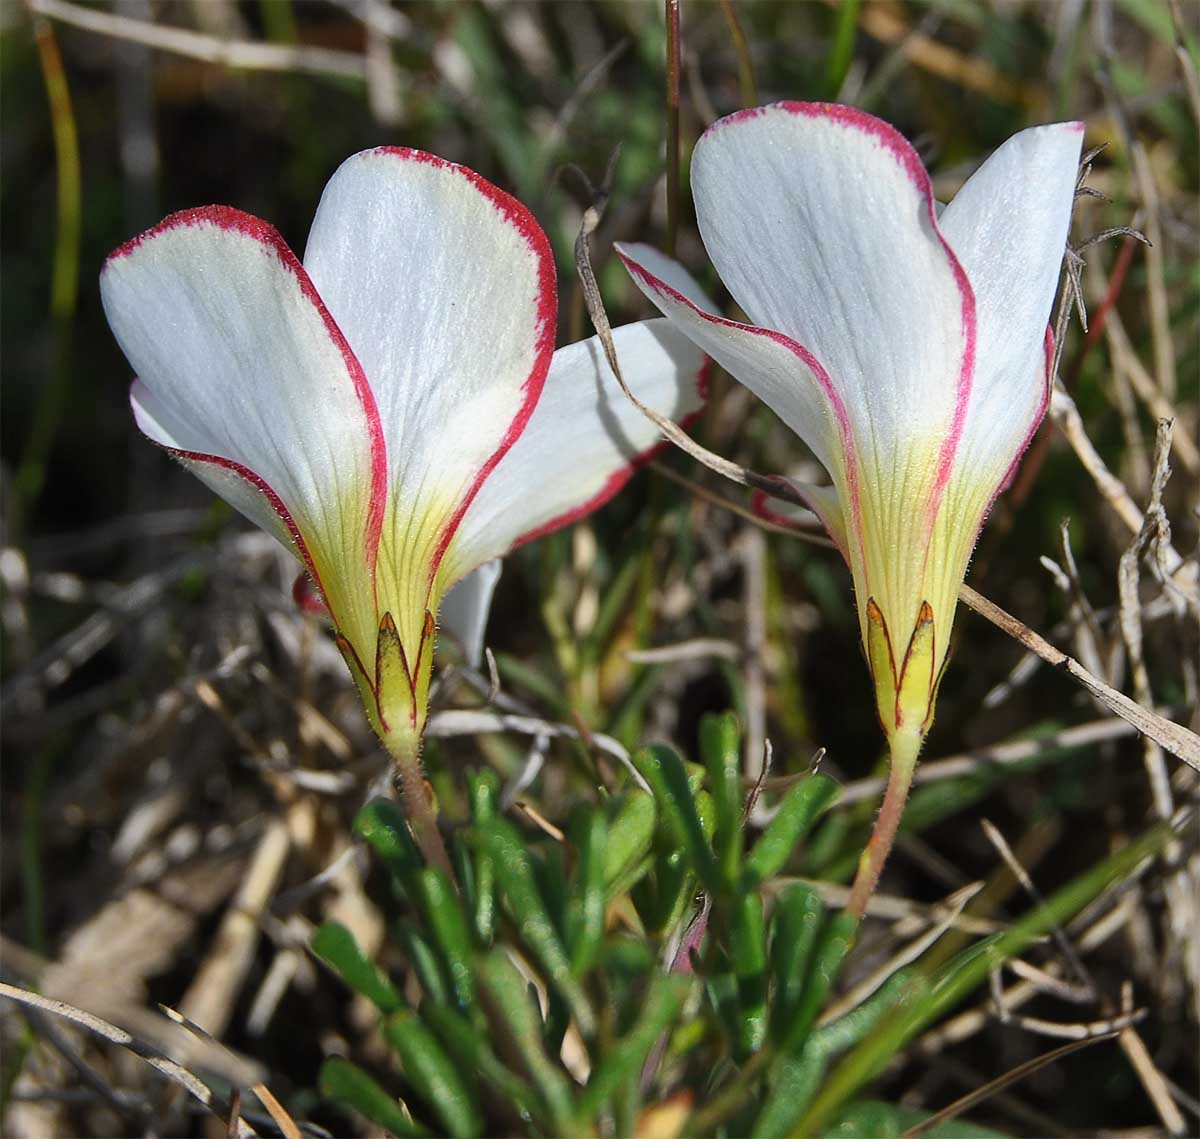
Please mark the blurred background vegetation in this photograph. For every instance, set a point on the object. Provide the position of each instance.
(184, 753)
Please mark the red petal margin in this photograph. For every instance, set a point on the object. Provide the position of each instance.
(620, 477)
(901, 149)
(546, 324)
(237, 221)
(267, 491)
(1039, 415)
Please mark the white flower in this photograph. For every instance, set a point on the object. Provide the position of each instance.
(392, 410)
(907, 349)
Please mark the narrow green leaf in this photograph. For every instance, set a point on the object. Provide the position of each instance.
(870, 1119)
(335, 945)
(804, 803)
(443, 913)
(797, 919)
(624, 1060)
(350, 1086)
(706, 812)
(629, 837)
(484, 788)
(537, 931)
(830, 842)
(837, 62)
(833, 942)
(424, 960)
(723, 996)
(381, 824)
(747, 943)
(663, 770)
(794, 1081)
(585, 907)
(514, 1019)
(550, 875)
(663, 907)
(471, 1050)
(720, 748)
(432, 1074)
(900, 991)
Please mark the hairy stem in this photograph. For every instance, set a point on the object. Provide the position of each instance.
(905, 746)
(405, 748)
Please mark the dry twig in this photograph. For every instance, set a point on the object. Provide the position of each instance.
(245, 56)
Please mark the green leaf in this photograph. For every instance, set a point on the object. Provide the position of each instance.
(747, 944)
(513, 1017)
(624, 1060)
(484, 788)
(720, 749)
(585, 906)
(335, 945)
(662, 907)
(433, 1075)
(797, 919)
(443, 913)
(723, 996)
(350, 1086)
(663, 770)
(794, 1081)
(804, 803)
(870, 1119)
(900, 990)
(841, 51)
(629, 837)
(470, 1048)
(525, 903)
(424, 960)
(833, 943)
(382, 825)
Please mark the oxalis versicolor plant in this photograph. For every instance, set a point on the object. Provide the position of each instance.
(393, 411)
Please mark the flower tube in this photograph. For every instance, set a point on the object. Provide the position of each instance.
(906, 345)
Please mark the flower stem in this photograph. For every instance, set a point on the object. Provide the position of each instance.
(405, 748)
(904, 747)
(672, 11)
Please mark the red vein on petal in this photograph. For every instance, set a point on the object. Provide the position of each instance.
(237, 221)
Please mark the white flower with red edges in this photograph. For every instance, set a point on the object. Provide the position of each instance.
(392, 409)
(907, 347)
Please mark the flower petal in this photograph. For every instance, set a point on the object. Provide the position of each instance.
(583, 442)
(821, 505)
(245, 376)
(1008, 225)
(779, 371)
(445, 286)
(821, 222)
(464, 610)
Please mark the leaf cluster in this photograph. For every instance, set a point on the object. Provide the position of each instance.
(646, 969)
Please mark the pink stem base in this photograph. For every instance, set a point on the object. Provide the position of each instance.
(870, 865)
